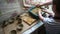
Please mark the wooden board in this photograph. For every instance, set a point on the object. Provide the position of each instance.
(27, 18)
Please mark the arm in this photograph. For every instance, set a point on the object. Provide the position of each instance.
(40, 15)
(49, 12)
(42, 3)
(46, 3)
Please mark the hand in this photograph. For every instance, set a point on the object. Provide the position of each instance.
(41, 3)
(37, 5)
(51, 13)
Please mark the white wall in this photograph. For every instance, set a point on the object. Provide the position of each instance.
(9, 8)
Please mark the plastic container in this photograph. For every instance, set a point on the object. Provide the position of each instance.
(35, 15)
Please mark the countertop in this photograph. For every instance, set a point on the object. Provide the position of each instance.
(26, 29)
(33, 28)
